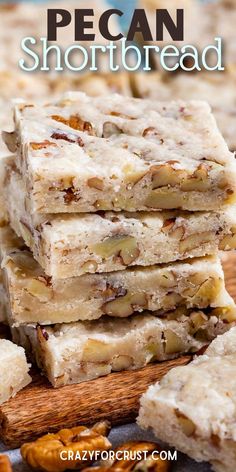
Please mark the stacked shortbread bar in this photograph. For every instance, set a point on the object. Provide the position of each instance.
(117, 208)
(193, 407)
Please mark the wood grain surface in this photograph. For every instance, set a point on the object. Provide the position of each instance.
(39, 408)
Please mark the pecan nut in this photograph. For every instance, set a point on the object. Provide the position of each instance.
(75, 122)
(44, 453)
(138, 456)
(123, 246)
(5, 465)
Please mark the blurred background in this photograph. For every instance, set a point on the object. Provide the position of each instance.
(203, 22)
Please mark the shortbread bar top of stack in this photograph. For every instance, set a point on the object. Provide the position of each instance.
(76, 352)
(37, 298)
(194, 408)
(87, 154)
(74, 244)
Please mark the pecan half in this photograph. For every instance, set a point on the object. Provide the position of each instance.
(44, 453)
(5, 465)
(75, 122)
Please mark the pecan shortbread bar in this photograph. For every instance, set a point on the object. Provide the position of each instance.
(72, 245)
(76, 352)
(14, 370)
(193, 407)
(37, 298)
(86, 154)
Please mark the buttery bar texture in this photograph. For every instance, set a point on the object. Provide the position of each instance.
(14, 370)
(76, 352)
(193, 407)
(86, 154)
(37, 298)
(75, 244)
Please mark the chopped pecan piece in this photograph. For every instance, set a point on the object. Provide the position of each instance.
(110, 129)
(229, 241)
(95, 182)
(71, 195)
(121, 363)
(133, 178)
(89, 266)
(165, 175)
(198, 181)
(125, 305)
(194, 240)
(172, 342)
(168, 225)
(187, 426)
(122, 115)
(119, 245)
(44, 144)
(110, 293)
(75, 122)
(97, 351)
(77, 139)
(151, 131)
(227, 314)
(40, 289)
(198, 320)
(44, 453)
(10, 139)
(22, 263)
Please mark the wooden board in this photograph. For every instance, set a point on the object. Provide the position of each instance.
(39, 408)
